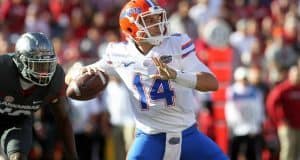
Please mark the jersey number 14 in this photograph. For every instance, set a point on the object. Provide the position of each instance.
(160, 90)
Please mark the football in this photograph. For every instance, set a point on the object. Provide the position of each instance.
(87, 86)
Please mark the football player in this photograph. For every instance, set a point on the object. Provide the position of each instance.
(31, 78)
(161, 71)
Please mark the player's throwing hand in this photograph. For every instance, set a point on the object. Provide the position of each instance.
(164, 71)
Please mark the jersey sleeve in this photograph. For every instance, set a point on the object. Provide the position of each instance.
(105, 62)
(189, 61)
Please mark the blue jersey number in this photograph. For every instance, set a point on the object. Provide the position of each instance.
(160, 90)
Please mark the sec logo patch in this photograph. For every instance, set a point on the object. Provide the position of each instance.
(166, 59)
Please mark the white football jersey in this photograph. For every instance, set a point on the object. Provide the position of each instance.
(159, 105)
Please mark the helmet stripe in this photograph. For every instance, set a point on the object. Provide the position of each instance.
(150, 3)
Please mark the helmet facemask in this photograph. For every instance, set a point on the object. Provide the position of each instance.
(39, 70)
(147, 21)
(35, 58)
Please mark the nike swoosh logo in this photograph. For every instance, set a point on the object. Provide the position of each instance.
(128, 64)
(37, 102)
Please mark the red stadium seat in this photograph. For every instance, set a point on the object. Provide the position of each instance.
(223, 74)
(219, 55)
(221, 135)
(219, 113)
(219, 95)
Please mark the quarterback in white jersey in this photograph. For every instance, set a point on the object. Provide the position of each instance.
(160, 105)
(160, 70)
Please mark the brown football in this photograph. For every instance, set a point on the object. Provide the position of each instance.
(87, 86)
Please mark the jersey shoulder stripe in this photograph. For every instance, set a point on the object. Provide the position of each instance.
(182, 43)
(188, 53)
(176, 34)
(187, 46)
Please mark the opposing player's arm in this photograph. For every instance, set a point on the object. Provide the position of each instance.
(64, 125)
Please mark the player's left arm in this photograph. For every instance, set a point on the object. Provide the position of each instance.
(63, 123)
(192, 67)
(199, 80)
(206, 82)
(192, 73)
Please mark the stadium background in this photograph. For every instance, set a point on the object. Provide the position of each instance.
(262, 35)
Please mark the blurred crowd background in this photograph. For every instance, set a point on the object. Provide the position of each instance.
(252, 46)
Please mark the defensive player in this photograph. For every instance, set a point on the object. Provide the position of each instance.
(30, 79)
(160, 70)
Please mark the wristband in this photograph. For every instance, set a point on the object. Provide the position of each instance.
(186, 79)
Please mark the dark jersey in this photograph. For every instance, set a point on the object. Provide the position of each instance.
(16, 103)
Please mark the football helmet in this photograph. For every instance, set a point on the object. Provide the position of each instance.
(144, 21)
(35, 58)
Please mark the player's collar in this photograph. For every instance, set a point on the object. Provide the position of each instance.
(25, 84)
(141, 52)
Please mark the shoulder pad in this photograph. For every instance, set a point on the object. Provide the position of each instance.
(57, 82)
(117, 49)
(185, 44)
(176, 35)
